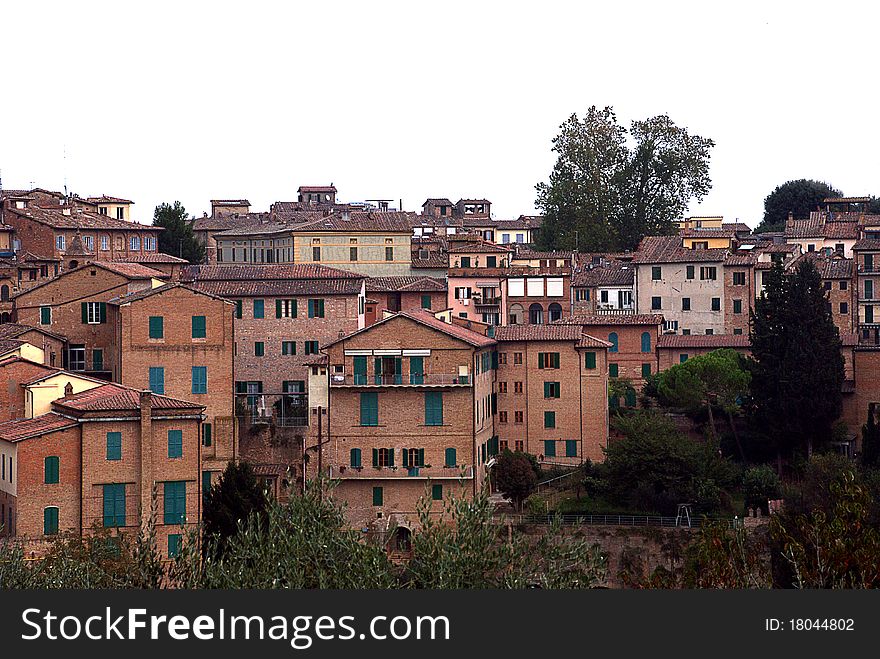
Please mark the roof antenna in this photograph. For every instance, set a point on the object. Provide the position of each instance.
(65, 173)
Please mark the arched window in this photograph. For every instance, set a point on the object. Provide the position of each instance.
(4, 293)
(555, 311)
(536, 314)
(517, 314)
(612, 339)
(646, 342)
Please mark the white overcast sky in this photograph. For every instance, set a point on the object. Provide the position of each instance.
(159, 101)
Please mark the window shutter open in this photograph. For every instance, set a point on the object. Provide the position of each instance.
(390, 457)
(405, 457)
(375, 457)
(102, 307)
(85, 312)
(421, 457)
(540, 360)
(278, 308)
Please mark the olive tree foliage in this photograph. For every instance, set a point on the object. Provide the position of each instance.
(611, 186)
(467, 547)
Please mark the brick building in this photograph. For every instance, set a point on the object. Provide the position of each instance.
(603, 287)
(74, 305)
(403, 294)
(476, 275)
(51, 344)
(866, 253)
(552, 385)
(410, 415)
(633, 342)
(179, 342)
(675, 349)
(103, 457)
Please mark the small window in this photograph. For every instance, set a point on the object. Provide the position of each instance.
(288, 348)
(843, 285)
(157, 327)
(135, 243)
(316, 253)
(737, 306)
(646, 370)
(259, 308)
(550, 448)
(316, 308)
(682, 357)
(646, 342)
(355, 457)
(50, 470)
(613, 340)
(437, 492)
(175, 443)
(114, 446)
(312, 347)
(207, 432)
(571, 449)
(389, 253)
(199, 329)
(655, 303)
(352, 253)
(175, 540)
(690, 272)
(199, 379)
(426, 302)
(685, 304)
(844, 307)
(549, 419)
(739, 279)
(50, 520)
(551, 390)
(45, 315)
(708, 273)
(656, 272)
(377, 496)
(612, 370)
(450, 458)
(716, 304)
(259, 348)
(590, 360)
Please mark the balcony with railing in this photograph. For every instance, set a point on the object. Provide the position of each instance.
(288, 410)
(399, 380)
(369, 472)
(625, 310)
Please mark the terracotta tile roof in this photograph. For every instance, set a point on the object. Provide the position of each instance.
(474, 201)
(522, 222)
(703, 341)
(8, 345)
(612, 319)
(867, 245)
(225, 222)
(820, 225)
(780, 248)
(316, 188)
(427, 319)
(829, 267)
(435, 260)
(130, 270)
(612, 274)
(256, 272)
(668, 249)
(79, 219)
(841, 230)
(437, 201)
(708, 232)
(370, 221)
(19, 429)
(478, 247)
(405, 283)
(13, 330)
(262, 229)
(150, 257)
(114, 397)
(104, 199)
(150, 292)
(588, 341)
(292, 212)
(539, 333)
(525, 252)
(279, 287)
(230, 202)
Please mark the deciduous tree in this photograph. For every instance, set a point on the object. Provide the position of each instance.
(178, 238)
(797, 197)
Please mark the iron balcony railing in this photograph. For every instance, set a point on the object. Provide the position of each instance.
(628, 310)
(368, 472)
(413, 379)
(285, 409)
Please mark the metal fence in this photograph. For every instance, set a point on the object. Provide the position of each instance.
(616, 520)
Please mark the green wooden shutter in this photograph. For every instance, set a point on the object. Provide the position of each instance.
(175, 443)
(590, 360)
(238, 309)
(199, 330)
(612, 370)
(45, 315)
(416, 370)
(404, 455)
(174, 542)
(554, 360)
(207, 431)
(375, 457)
(85, 312)
(540, 360)
(206, 483)
(377, 496)
(360, 370)
(355, 460)
(293, 310)
(50, 521)
(550, 448)
(369, 408)
(278, 308)
(547, 391)
(390, 457)
(50, 469)
(451, 459)
(571, 448)
(259, 308)
(437, 492)
(157, 330)
(426, 302)
(421, 457)
(102, 308)
(433, 408)
(174, 507)
(114, 446)
(549, 419)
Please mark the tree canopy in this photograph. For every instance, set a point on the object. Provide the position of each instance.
(611, 186)
(797, 367)
(515, 476)
(231, 501)
(178, 238)
(797, 197)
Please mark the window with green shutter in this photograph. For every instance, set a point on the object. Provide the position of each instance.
(631, 397)
(312, 347)
(259, 308)
(50, 520)
(207, 431)
(550, 448)
(549, 419)
(174, 543)
(612, 370)
(437, 492)
(377, 496)
(199, 327)
(416, 370)
(548, 360)
(646, 370)
(97, 360)
(426, 302)
(259, 348)
(157, 379)
(50, 469)
(316, 308)
(174, 505)
(114, 505)
(175, 443)
(451, 459)
(369, 408)
(571, 448)
(157, 327)
(206, 483)
(199, 379)
(682, 358)
(551, 390)
(45, 315)
(590, 360)
(288, 348)
(114, 446)
(360, 370)
(355, 457)
(433, 408)
(238, 306)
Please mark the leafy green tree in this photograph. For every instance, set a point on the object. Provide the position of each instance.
(177, 238)
(468, 548)
(605, 195)
(798, 197)
(714, 380)
(515, 476)
(760, 484)
(797, 367)
(231, 501)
